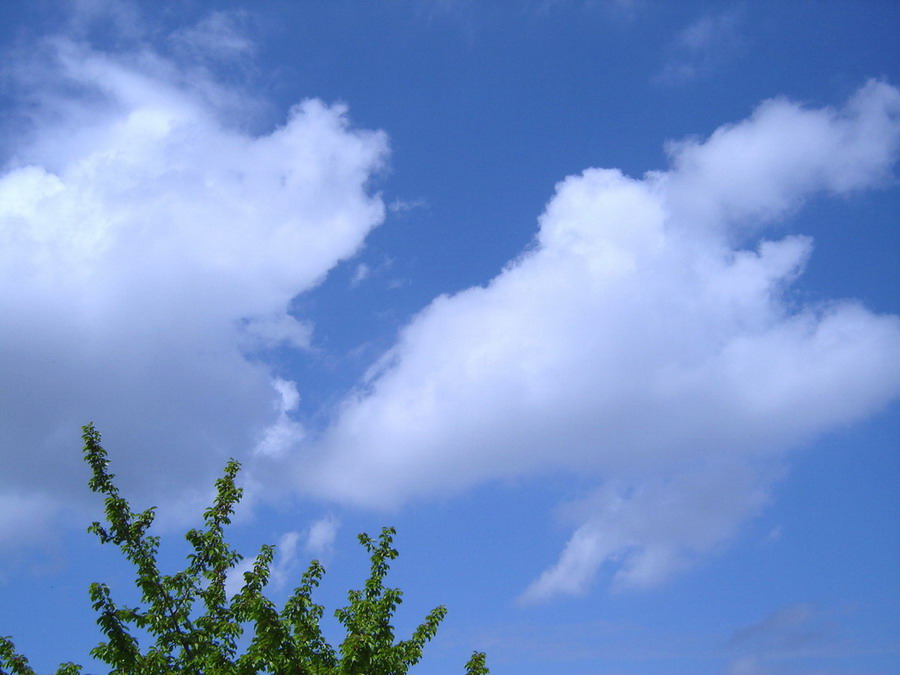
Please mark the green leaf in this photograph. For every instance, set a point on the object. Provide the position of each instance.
(193, 627)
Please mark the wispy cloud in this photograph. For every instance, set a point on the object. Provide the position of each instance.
(360, 274)
(402, 206)
(321, 535)
(283, 571)
(790, 627)
(701, 48)
(794, 631)
(221, 35)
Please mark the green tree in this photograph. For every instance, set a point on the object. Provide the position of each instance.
(195, 626)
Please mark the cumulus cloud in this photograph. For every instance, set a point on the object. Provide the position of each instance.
(648, 338)
(149, 250)
(761, 169)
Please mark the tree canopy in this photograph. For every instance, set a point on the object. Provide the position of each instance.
(195, 627)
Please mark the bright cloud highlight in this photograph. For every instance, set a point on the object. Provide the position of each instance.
(149, 249)
(648, 340)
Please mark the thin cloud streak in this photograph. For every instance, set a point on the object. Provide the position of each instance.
(701, 48)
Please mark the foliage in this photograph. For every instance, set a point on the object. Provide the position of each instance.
(196, 626)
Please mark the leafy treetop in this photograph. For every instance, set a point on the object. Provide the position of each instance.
(196, 626)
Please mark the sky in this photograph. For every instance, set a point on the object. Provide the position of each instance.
(596, 301)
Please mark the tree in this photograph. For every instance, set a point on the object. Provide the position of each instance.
(196, 626)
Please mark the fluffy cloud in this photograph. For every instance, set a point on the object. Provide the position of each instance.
(647, 339)
(149, 248)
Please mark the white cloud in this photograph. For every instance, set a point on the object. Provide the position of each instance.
(321, 536)
(285, 433)
(762, 168)
(640, 343)
(273, 330)
(360, 274)
(220, 35)
(285, 568)
(282, 571)
(285, 562)
(403, 206)
(148, 249)
(234, 580)
(654, 527)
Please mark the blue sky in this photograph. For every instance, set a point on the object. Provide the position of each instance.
(595, 301)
